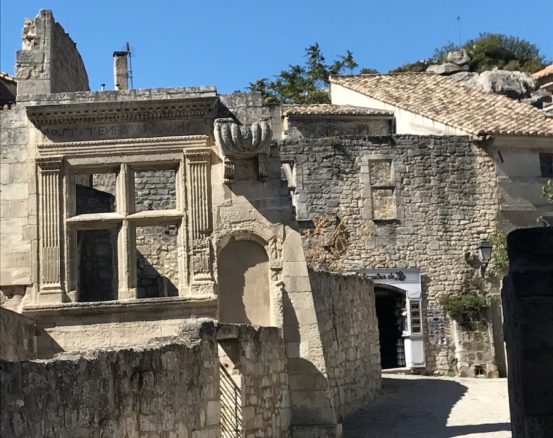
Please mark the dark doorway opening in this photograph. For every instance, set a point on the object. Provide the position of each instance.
(391, 314)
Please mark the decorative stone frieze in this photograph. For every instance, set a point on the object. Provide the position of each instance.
(51, 238)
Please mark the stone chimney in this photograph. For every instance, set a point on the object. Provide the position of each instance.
(121, 70)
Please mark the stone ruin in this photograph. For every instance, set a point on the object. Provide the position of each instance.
(179, 262)
(154, 281)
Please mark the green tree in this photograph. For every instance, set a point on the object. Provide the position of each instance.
(307, 83)
(487, 51)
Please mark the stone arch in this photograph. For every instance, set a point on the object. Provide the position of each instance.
(244, 281)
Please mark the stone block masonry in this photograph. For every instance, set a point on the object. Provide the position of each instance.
(528, 309)
(397, 202)
(349, 330)
(164, 391)
(49, 61)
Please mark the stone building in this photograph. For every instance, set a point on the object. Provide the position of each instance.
(453, 166)
(149, 243)
(269, 259)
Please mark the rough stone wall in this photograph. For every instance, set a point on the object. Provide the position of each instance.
(17, 206)
(21, 339)
(331, 127)
(49, 61)
(527, 308)
(163, 391)
(442, 193)
(347, 320)
(261, 360)
(17, 336)
(265, 388)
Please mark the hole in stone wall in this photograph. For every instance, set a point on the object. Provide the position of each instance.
(155, 189)
(157, 261)
(95, 192)
(97, 264)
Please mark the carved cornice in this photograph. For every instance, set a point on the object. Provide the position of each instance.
(120, 112)
(123, 146)
(238, 141)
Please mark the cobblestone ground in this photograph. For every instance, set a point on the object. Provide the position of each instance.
(434, 407)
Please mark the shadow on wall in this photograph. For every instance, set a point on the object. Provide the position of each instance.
(415, 408)
(243, 273)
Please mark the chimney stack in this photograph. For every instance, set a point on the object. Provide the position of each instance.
(121, 70)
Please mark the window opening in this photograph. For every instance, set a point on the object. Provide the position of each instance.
(97, 264)
(546, 165)
(157, 261)
(95, 193)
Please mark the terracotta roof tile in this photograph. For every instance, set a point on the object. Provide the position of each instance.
(332, 110)
(452, 103)
(545, 72)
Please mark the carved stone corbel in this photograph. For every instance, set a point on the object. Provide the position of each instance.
(242, 142)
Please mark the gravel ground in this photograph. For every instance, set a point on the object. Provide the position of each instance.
(434, 407)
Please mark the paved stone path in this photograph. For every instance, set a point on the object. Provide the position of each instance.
(434, 407)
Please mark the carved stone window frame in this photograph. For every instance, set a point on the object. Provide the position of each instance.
(57, 165)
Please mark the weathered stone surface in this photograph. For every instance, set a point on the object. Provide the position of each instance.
(349, 330)
(444, 200)
(468, 77)
(447, 68)
(49, 61)
(513, 84)
(163, 390)
(459, 57)
(527, 308)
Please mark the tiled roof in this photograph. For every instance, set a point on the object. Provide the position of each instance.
(452, 103)
(332, 110)
(6, 77)
(545, 72)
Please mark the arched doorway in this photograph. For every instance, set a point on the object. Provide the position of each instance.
(244, 294)
(392, 321)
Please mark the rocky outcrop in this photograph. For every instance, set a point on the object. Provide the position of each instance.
(514, 84)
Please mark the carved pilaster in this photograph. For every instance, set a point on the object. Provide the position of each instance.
(229, 171)
(51, 239)
(199, 213)
(262, 167)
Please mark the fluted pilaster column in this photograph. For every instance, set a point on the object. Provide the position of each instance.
(199, 213)
(51, 239)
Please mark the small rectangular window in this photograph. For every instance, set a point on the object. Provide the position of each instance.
(416, 317)
(546, 165)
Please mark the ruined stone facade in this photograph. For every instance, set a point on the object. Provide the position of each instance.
(399, 202)
(131, 216)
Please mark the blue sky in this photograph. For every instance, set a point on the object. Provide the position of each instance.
(231, 43)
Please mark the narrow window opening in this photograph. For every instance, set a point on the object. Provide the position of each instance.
(97, 265)
(157, 261)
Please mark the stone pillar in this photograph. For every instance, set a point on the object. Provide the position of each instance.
(51, 239)
(528, 326)
(126, 248)
(199, 214)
